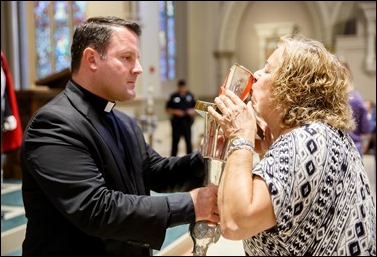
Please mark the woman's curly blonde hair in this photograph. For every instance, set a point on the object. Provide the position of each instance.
(311, 84)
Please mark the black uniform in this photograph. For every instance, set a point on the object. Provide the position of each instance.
(181, 126)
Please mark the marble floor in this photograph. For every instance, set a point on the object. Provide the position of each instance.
(13, 222)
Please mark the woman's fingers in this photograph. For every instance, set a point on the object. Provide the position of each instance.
(235, 99)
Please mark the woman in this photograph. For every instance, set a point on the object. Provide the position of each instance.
(309, 194)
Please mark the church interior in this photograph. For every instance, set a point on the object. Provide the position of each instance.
(200, 43)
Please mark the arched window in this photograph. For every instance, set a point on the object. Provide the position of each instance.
(54, 26)
(167, 40)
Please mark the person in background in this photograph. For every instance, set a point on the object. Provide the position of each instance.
(87, 170)
(180, 107)
(371, 110)
(362, 132)
(309, 195)
(11, 127)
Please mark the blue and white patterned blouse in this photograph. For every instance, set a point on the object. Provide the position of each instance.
(320, 194)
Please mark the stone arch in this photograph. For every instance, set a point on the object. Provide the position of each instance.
(323, 14)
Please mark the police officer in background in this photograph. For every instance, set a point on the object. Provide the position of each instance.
(180, 107)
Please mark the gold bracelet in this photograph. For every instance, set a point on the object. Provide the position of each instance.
(241, 143)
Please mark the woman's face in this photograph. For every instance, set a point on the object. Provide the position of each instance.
(261, 99)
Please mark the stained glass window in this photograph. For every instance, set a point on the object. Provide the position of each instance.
(54, 26)
(167, 40)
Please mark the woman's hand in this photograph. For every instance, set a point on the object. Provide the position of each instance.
(236, 118)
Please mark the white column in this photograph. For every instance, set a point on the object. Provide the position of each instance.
(369, 11)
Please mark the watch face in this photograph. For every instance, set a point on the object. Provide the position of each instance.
(200, 230)
(204, 229)
(203, 234)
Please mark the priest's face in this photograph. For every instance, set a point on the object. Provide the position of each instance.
(118, 70)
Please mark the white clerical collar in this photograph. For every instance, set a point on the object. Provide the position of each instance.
(109, 106)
